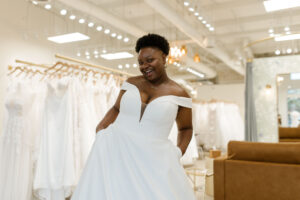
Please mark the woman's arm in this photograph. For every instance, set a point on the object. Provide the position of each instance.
(111, 115)
(185, 128)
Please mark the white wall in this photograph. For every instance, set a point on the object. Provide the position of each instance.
(228, 92)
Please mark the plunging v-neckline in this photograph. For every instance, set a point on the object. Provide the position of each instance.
(142, 111)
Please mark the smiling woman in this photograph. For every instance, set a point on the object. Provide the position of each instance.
(132, 157)
(153, 50)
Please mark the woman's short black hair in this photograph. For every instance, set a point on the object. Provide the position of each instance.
(153, 40)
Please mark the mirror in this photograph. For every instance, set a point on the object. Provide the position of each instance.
(288, 99)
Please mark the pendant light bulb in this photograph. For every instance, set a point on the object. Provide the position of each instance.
(183, 50)
(196, 58)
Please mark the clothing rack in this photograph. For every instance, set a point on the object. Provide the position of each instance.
(31, 64)
(73, 60)
(92, 65)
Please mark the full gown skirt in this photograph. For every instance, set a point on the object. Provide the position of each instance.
(133, 157)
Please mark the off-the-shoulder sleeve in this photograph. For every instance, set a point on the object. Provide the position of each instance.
(125, 86)
(183, 101)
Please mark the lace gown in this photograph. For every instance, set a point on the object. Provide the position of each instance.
(133, 158)
(16, 146)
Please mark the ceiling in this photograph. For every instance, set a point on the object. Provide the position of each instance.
(240, 30)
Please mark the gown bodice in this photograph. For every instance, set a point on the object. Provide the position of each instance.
(157, 118)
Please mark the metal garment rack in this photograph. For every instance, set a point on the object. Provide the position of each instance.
(92, 65)
(75, 61)
(32, 64)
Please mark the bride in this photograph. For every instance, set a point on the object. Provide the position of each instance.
(132, 158)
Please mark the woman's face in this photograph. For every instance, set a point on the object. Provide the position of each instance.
(152, 63)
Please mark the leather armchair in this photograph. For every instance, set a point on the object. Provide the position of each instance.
(258, 171)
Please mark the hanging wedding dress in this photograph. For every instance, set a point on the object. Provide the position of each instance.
(100, 98)
(133, 158)
(191, 152)
(55, 171)
(86, 122)
(16, 145)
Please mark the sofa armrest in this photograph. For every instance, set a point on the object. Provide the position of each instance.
(219, 178)
(289, 132)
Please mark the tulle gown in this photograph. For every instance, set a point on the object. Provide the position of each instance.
(55, 171)
(133, 158)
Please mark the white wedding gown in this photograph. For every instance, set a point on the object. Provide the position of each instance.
(16, 146)
(133, 158)
(55, 172)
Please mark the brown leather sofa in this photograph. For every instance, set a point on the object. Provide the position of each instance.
(287, 134)
(258, 171)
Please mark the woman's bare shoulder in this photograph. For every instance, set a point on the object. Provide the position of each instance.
(178, 90)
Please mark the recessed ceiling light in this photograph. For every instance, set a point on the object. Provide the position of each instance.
(286, 28)
(87, 53)
(134, 65)
(272, 34)
(70, 37)
(63, 12)
(113, 35)
(273, 5)
(106, 31)
(295, 76)
(127, 65)
(104, 51)
(81, 21)
(99, 28)
(96, 52)
(288, 32)
(287, 37)
(88, 57)
(271, 30)
(191, 9)
(72, 17)
(280, 78)
(114, 56)
(96, 56)
(48, 6)
(195, 72)
(91, 24)
(200, 17)
(277, 52)
(119, 37)
(211, 29)
(186, 3)
(78, 54)
(35, 2)
(196, 14)
(120, 66)
(204, 22)
(126, 39)
(289, 50)
(208, 25)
